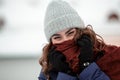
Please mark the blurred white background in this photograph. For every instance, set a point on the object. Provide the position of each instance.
(22, 35)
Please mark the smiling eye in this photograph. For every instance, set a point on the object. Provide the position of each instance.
(71, 33)
(56, 37)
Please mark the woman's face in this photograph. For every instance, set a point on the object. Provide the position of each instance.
(67, 34)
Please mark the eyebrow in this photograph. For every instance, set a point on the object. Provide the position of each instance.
(65, 32)
(55, 35)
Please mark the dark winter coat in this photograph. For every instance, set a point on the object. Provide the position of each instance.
(92, 72)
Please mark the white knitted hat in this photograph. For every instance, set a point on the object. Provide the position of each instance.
(59, 16)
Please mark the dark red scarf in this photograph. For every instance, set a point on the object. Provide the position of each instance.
(71, 52)
(110, 62)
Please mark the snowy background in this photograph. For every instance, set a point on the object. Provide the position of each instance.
(22, 36)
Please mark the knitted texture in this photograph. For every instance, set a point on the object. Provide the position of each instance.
(59, 16)
(71, 51)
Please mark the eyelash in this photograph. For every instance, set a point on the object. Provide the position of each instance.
(56, 37)
(71, 32)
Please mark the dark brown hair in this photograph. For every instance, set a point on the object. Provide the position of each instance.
(96, 39)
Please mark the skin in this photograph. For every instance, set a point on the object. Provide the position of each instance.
(64, 35)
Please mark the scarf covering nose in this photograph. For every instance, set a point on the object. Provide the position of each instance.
(71, 52)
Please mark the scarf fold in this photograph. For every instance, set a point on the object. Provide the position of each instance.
(71, 51)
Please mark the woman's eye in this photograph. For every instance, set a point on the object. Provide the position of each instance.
(70, 33)
(56, 38)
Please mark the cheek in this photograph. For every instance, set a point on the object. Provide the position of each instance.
(73, 36)
(56, 41)
(70, 38)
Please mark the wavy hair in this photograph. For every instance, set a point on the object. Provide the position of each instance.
(98, 45)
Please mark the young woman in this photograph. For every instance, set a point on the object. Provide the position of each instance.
(74, 51)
